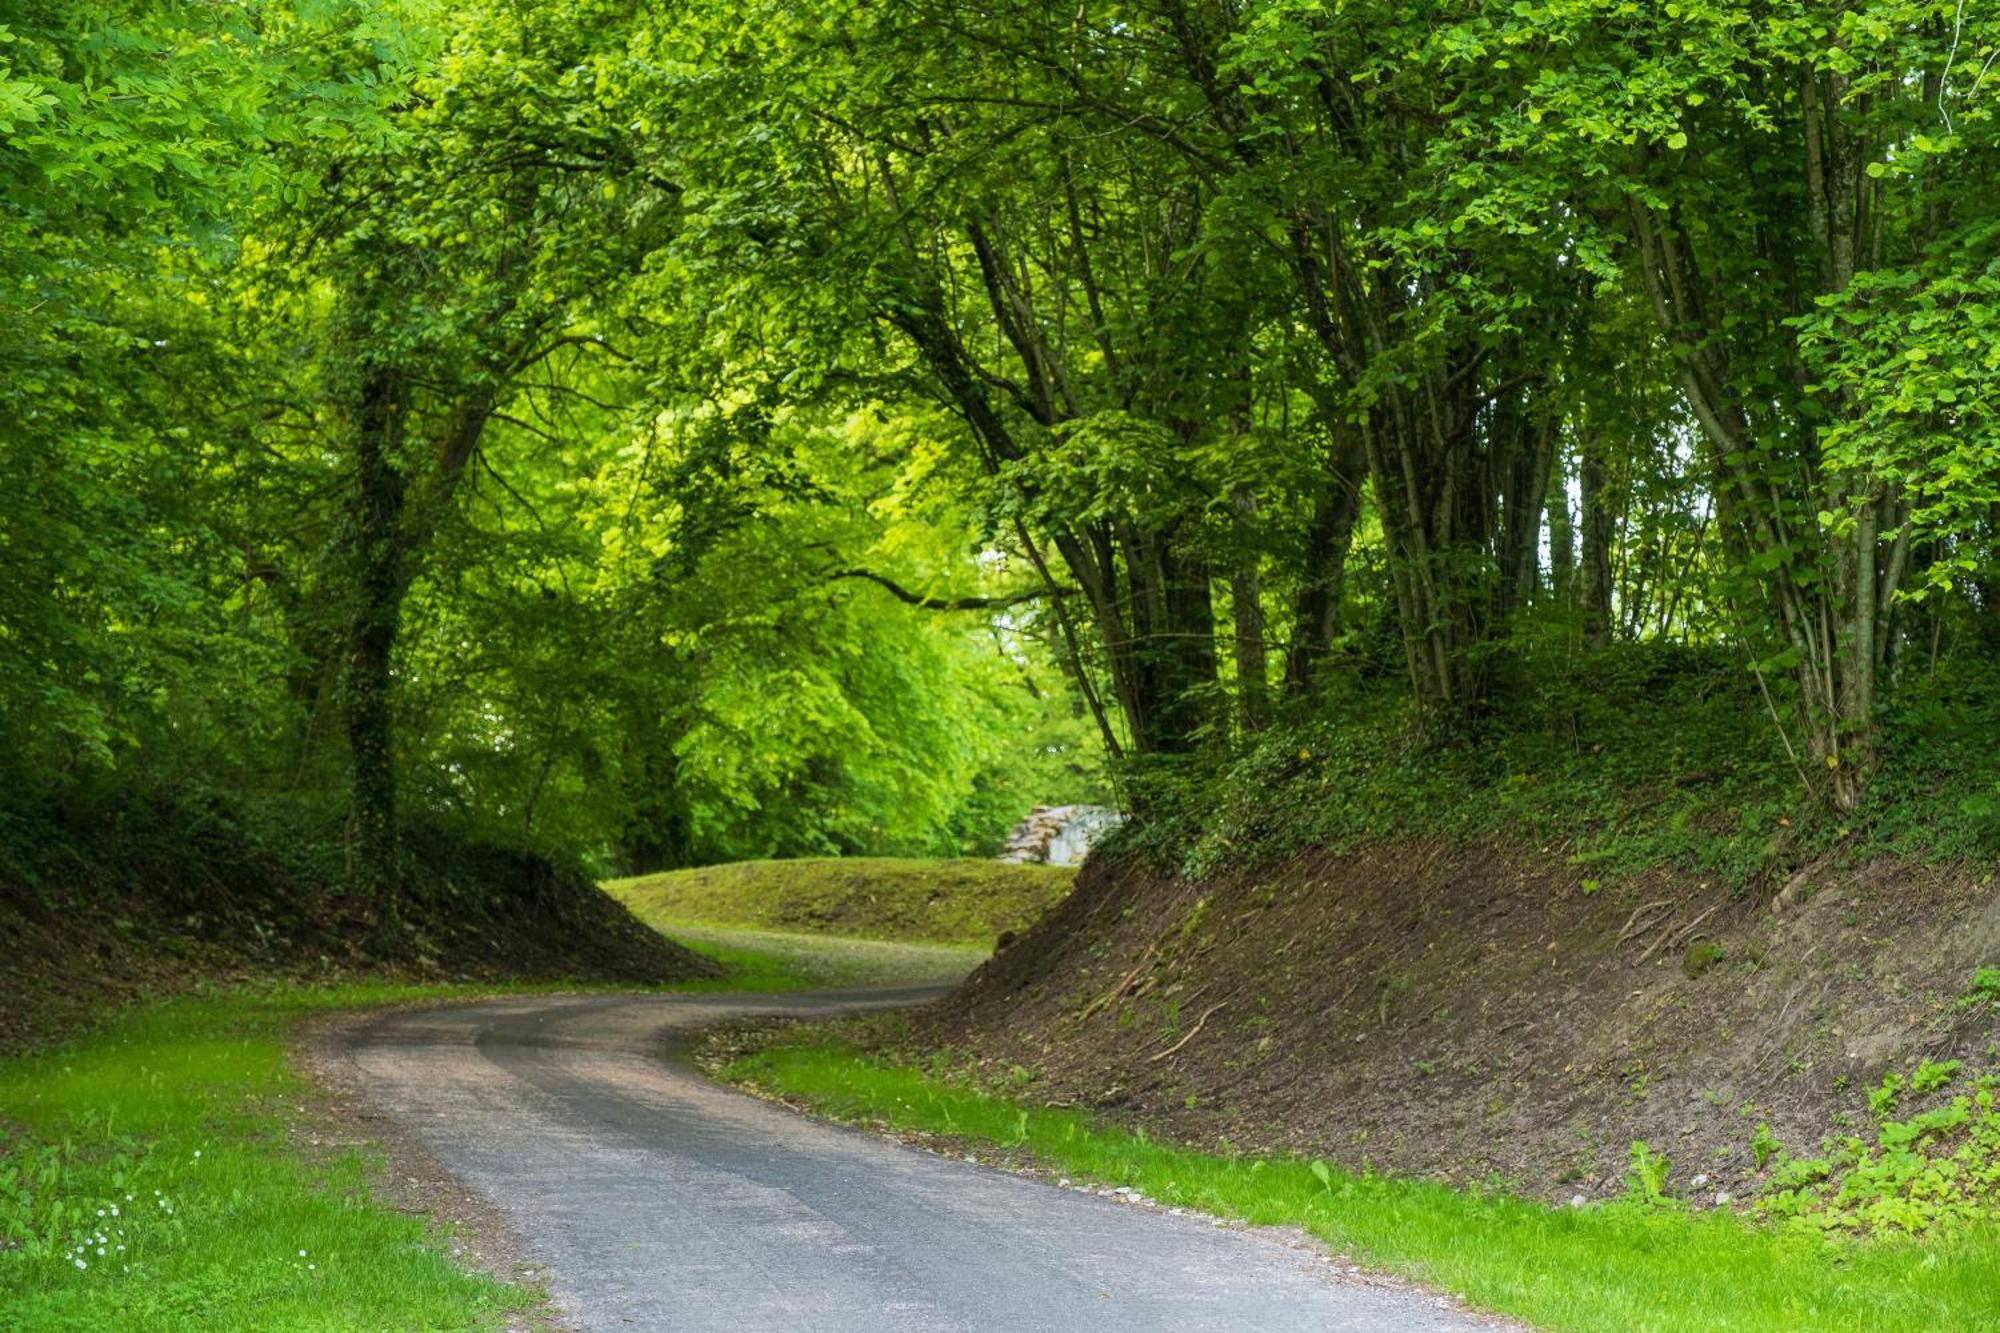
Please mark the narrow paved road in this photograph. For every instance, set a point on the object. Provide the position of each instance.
(660, 1200)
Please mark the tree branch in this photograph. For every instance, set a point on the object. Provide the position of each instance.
(904, 595)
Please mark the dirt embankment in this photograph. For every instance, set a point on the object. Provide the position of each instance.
(1466, 1012)
(106, 920)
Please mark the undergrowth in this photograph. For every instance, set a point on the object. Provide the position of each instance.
(1928, 1165)
(1640, 757)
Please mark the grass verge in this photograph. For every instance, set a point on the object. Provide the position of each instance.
(146, 1183)
(1614, 1267)
(958, 902)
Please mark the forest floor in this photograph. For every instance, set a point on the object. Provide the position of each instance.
(116, 915)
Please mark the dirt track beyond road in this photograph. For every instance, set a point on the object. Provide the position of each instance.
(660, 1200)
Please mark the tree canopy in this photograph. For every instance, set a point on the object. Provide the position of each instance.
(675, 432)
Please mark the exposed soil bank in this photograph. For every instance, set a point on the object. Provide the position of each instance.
(1466, 1012)
(148, 902)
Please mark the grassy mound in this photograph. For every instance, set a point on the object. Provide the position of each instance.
(780, 960)
(963, 902)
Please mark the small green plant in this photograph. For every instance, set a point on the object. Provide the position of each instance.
(1985, 987)
(1764, 1145)
(1933, 1075)
(1936, 1173)
(1650, 1170)
(1883, 1100)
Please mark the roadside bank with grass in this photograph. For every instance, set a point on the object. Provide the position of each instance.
(1636, 1263)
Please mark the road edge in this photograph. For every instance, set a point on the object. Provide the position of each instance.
(339, 1116)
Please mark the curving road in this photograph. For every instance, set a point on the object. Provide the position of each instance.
(660, 1200)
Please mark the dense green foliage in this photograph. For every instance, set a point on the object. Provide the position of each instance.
(1644, 1262)
(668, 433)
(357, 470)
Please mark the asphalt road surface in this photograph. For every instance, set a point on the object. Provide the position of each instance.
(660, 1200)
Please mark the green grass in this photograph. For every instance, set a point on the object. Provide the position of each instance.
(184, 1105)
(1622, 1267)
(175, 1116)
(957, 902)
(771, 960)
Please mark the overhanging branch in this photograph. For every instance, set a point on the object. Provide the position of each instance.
(902, 594)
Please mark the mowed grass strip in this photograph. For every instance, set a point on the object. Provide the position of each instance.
(1610, 1267)
(772, 960)
(146, 1183)
(959, 902)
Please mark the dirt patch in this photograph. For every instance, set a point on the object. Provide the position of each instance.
(1465, 1013)
(339, 1117)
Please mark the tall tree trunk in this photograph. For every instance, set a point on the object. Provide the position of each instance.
(1593, 576)
(376, 550)
(1562, 532)
(1330, 536)
(1175, 629)
(1246, 597)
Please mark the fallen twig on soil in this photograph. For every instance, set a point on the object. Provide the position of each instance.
(1191, 1033)
(1675, 936)
(1633, 926)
